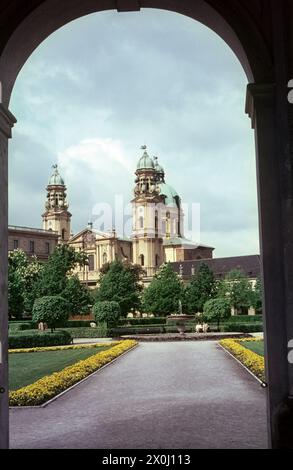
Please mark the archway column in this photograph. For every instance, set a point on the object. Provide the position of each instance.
(268, 111)
(7, 121)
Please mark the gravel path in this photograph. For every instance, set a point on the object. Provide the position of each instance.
(159, 395)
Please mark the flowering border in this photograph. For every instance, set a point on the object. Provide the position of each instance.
(248, 358)
(49, 386)
(62, 348)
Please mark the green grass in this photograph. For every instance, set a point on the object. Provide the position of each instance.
(26, 368)
(255, 346)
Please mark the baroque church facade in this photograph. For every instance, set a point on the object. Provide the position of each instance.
(157, 226)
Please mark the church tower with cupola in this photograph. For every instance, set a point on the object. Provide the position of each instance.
(147, 242)
(56, 216)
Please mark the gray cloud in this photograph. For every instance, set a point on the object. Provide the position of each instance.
(153, 77)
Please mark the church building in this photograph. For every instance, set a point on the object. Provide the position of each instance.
(157, 232)
(157, 226)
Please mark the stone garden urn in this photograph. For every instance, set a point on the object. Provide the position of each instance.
(180, 319)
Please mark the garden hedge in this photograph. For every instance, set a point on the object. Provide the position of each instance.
(99, 332)
(33, 338)
(21, 326)
(242, 327)
(150, 321)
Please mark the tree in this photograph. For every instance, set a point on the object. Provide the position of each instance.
(120, 284)
(51, 309)
(23, 273)
(77, 295)
(216, 310)
(164, 292)
(200, 289)
(107, 312)
(237, 288)
(54, 275)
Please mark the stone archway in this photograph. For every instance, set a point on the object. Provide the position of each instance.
(256, 34)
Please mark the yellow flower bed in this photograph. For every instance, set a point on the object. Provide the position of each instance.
(51, 385)
(250, 359)
(62, 348)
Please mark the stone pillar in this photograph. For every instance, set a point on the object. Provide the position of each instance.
(267, 107)
(7, 121)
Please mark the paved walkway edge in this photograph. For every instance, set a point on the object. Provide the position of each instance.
(74, 385)
(263, 384)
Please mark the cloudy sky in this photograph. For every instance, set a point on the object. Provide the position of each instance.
(102, 86)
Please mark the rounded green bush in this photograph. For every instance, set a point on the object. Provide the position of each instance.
(107, 312)
(51, 309)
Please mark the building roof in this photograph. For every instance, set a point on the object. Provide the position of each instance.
(99, 235)
(181, 241)
(171, 196)
(32, 230)
(145, 162)
(250, 265)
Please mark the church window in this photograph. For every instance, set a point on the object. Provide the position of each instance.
(141, 260)
(32, 247)
(157, 260)
(156, 220)
(15, 244)
(91, 262)
(63, 234)
(105, 258)
(141, 223)
(47, 245)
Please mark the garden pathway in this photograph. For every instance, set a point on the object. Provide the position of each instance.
(159, 395)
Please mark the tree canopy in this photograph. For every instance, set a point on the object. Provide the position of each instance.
(162, 296)
(237, 288)
(217, 309)
(120, 283)
(200, 289)
(23, 273)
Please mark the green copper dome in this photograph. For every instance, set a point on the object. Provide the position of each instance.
(171, 196)
(145, 162)
(55, 178)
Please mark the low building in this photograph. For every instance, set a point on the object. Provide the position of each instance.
(33, 241)
(249, 265)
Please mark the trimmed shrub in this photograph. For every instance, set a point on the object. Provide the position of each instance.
(252, 327)
(32, 339)
(51, 309)
(76, 324)
(107, 312)
(243, 319)
(21, 326)
(100, 331)
(144, 330)
(142, 321)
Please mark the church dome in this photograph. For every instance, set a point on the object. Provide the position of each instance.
(145, 162)
(171, 196)
(158, 167)
(56, 178)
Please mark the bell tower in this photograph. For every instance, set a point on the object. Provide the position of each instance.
(147, 242)
(56, 216)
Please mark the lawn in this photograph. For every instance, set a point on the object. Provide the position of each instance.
(255, 346)
(26, 368)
